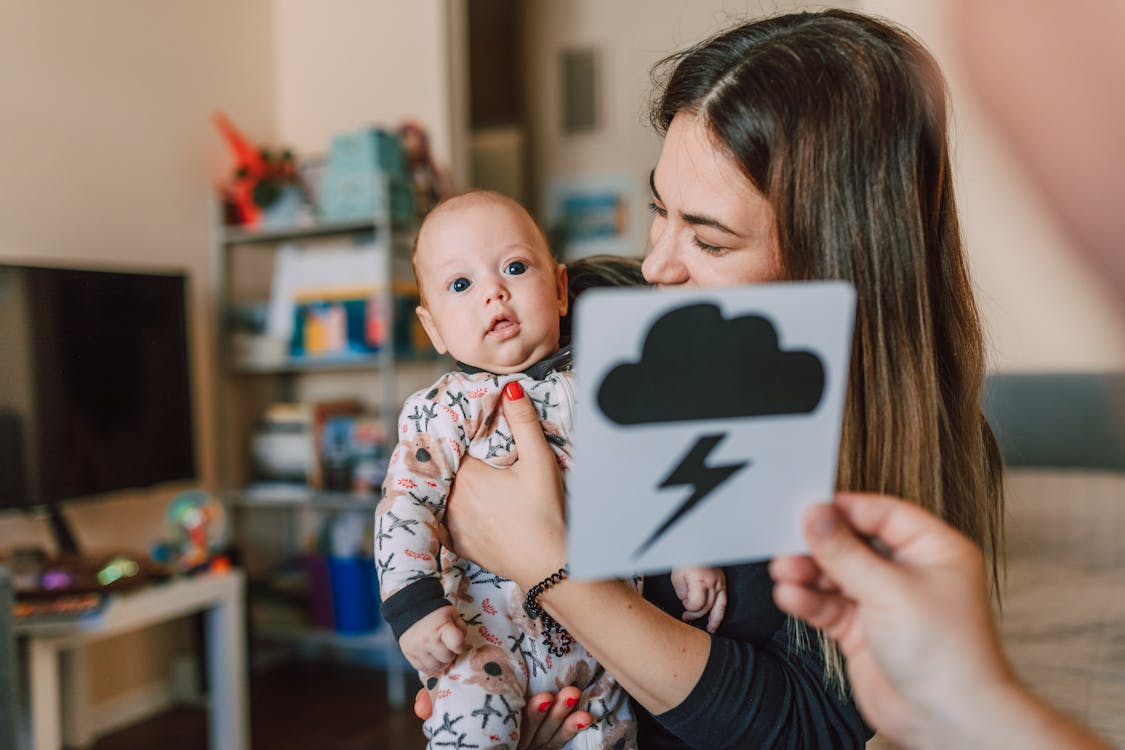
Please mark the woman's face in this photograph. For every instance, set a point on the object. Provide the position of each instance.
(710, 225)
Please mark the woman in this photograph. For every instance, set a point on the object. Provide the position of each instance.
(806, 146)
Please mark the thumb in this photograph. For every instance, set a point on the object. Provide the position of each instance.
(453, 637)
(526, 430)
(846, 558)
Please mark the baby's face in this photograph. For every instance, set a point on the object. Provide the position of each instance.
(492, 293)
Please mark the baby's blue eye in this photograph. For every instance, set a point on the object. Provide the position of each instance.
(515, 268)
(460, 284)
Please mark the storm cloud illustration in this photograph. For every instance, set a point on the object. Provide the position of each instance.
(696, 364)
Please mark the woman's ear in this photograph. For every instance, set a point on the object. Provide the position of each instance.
(431, 329)
(561, 292)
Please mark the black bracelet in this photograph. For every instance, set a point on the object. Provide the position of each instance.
(555, 637)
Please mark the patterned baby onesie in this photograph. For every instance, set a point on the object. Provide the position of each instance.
(478, 700)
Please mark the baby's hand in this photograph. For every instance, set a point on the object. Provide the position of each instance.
(432, 643)
(702, 590)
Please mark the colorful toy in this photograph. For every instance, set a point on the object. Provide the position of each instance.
(260, 176)
(197, 523)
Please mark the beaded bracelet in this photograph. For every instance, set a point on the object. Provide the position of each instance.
(555, 637)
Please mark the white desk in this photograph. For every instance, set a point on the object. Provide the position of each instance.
(56, 707)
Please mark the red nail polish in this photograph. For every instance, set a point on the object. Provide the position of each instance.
(544, 706)
(513, 391)
(571, 702)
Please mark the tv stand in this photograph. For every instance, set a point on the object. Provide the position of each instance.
(57, 704)
(65, 542)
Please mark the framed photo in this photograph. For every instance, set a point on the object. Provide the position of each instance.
(592, 215)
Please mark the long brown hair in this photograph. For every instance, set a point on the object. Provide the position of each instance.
(840, 120)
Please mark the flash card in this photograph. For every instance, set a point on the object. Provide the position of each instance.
(708, 422)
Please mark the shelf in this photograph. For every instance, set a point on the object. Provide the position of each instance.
(282, 496)
(250, 235)
(309, 364)
(330, 364)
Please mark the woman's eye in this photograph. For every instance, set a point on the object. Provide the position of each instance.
(460, 284)
(711, 249)
(657, 210)
(515, 268)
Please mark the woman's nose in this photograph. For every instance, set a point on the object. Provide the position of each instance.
(663, 266)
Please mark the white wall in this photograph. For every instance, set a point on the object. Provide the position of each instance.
(108, 159)
(632, 35)
(345, 64)
(1043, 308)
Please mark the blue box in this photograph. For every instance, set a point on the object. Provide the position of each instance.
(355, 594)
(368, 150)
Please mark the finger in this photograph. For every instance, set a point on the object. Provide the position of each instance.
(794, 569)
(825, 584)
(910, 532)
(841, 554)
(828, 612)
(565, 703)
(431, 666)
(423, 705)
(534, 711)
(453, 637)
(441, 657)
(696, 599)
(526, 430)
(680, 586)
(718, 611)
(570, 727)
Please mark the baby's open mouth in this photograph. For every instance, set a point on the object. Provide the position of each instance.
(503, 324)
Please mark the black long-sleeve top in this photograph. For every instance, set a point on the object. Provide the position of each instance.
(760, 688)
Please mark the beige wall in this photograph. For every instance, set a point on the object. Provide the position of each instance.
(108, 160)
(631, 35)
(1043, 309)
(344, 64)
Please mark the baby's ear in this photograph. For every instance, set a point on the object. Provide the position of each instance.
(561, 291)
(431, 329)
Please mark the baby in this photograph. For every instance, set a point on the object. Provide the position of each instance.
(492, 296)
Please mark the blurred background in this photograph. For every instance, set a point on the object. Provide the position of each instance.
(113, 159)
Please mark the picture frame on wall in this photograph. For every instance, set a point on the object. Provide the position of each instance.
(589, 215)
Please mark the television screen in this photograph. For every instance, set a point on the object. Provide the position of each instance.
(95, 381)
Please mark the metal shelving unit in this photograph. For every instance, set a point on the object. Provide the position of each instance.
(243, 390)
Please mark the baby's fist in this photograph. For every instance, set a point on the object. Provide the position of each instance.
(701, 590)
(432, 643)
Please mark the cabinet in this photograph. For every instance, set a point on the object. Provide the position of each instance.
(273, 522)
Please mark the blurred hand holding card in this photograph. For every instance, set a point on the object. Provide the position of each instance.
(708, 421)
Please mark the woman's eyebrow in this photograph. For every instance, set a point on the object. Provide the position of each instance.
(699, 219)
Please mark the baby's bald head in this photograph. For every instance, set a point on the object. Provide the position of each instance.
(474, 202)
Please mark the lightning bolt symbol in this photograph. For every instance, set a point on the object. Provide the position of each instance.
(694, 472)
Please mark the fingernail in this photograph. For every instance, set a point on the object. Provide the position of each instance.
(513, 391)
(544, 706)
(571, 702)
(823, 520)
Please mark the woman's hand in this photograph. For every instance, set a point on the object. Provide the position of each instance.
(548, 723)
(512, 521)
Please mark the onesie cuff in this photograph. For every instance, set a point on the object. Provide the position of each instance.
(410, 604)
